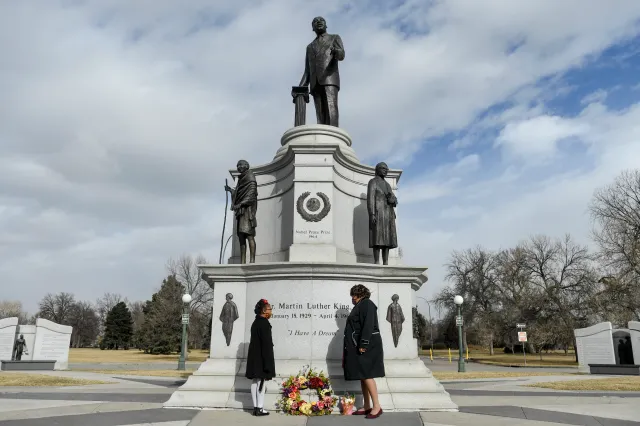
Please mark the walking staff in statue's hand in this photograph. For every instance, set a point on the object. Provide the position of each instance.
(245, 205)
(321, 72)
(382, 216)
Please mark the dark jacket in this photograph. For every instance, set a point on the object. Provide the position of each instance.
(362, 331)
(260, 360)
(321, 66)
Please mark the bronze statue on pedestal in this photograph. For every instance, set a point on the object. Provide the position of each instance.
(382, 216)
(321, 73)
(245, 205)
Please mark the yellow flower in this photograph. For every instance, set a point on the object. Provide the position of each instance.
(305, 408)
(302, 380)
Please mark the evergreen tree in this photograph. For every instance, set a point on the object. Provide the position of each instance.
(161, 330)
(118, 328)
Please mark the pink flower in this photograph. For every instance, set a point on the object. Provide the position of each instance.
(294, 405)
(292, 395)
(320, 405)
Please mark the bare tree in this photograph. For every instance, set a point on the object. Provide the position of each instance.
(187, 273)
(57, 308)
(13, 308)
(472, 275)
(137, 314)
(615, 210)
(106, 303)
(565, 272)
(86, 325)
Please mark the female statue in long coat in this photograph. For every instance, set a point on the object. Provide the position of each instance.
(382, 216)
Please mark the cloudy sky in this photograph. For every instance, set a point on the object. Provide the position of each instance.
(120, 119)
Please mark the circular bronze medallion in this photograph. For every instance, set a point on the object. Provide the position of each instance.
(313, 204)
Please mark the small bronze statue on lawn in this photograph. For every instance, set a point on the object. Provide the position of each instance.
(245, 205)
(21, 346)
(382, 217)
(321, 72)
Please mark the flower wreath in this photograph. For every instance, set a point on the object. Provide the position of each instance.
(291, 401)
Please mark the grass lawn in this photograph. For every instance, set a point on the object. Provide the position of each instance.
(454, 375)
(613, 384)
(482, 355)
(88, 355)
(22, 379)
(156, 373)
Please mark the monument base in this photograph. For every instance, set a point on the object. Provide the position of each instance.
(615, 369)
(27, 365)
(311, 303)
(220, 384)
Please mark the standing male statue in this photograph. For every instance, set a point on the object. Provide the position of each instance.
(245, 205)
(382, 216)
(321, 72)
(21, 346)
(228, 315)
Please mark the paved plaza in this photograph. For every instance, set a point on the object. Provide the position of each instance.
(136, 400)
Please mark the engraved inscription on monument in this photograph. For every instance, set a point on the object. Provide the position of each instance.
(54, 346)
(6, 345)
(313, 234)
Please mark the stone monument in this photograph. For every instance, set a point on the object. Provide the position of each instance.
(52, 342)
(7, 337)
(594, 345)
(634, 333)
(314, 245)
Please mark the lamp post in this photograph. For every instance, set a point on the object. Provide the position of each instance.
(186, 299)
(430, 320)
(458, 300)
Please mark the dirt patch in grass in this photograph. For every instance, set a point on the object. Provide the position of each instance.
(155, 373)
(22, 379)
(89, 355)
(454, 375)
(629, 384)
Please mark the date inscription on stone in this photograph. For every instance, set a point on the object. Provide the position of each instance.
(311, 234)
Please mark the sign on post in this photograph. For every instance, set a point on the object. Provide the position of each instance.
(459, 321)
(185, 318)
(521, 325)
(522, 336)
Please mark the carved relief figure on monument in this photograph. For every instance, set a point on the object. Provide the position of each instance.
(321, 72)
(245, 205)
(382, 217)
(228, 315)
(19, 348)
(395, 317)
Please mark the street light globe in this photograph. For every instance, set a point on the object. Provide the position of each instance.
(458, 300)
(186, 298)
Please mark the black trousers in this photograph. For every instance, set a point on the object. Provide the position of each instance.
(325, 99)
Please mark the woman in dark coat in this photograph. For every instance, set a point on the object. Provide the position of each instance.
(363, 357)
(261, 365)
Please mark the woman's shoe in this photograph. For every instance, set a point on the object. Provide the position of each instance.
(374, 416)
(261, 412)
(255, 411)
(361, 412)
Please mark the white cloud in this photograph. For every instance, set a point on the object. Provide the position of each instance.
(538, 136)
(120, 119)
